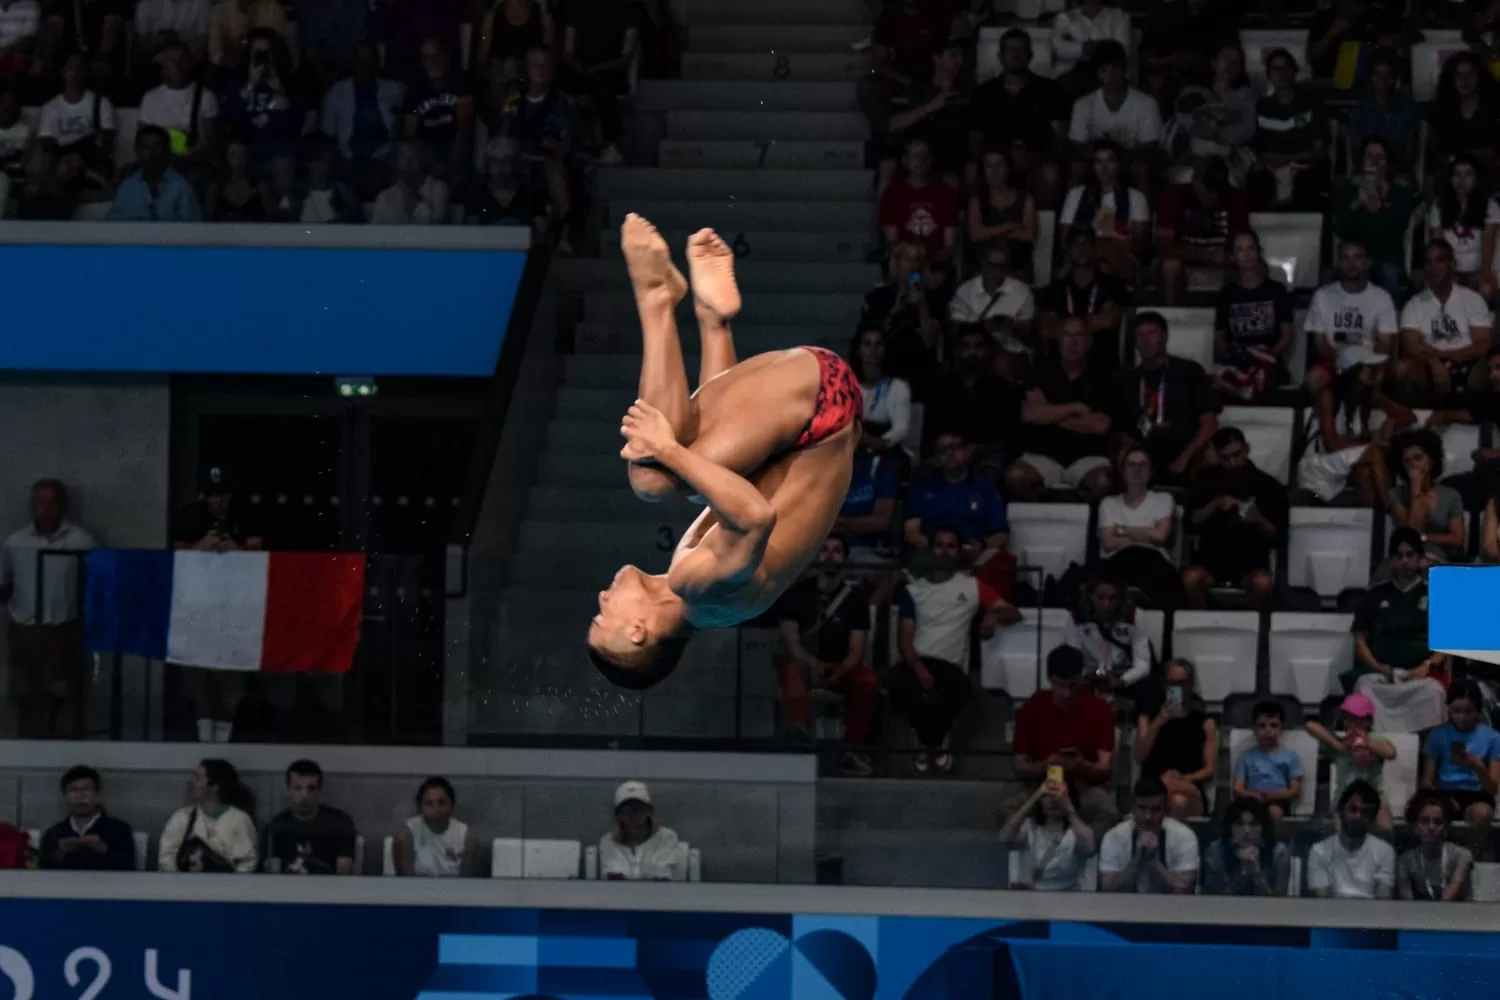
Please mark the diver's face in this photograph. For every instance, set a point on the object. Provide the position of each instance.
(623, 611)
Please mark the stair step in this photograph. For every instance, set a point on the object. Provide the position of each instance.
(579, 570)
(851, 247)
(643, 543)
(618, 503)
(768, 154)
(783, 37)
(624, 340)
(626, 184)
(743, 12)
(731, 217)
(841, 311)
(810, 125)
(847, 66)
(754, 276)
(740, 95)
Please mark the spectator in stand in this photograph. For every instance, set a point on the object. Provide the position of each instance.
(1068, 726)
(1181, 42)
(1195, 228)
(1117, 653)
(89, 839)
(504, 199)
(155, 192)
(1393, 664)
(1269, 772)
(1354, 327)
(42, 598)
(929, 686)
(1117, 213)
(183, 106)
(415, 196)
(1466, 217)
(1177, 741)
(1358, 754)
(1445, 329)
(1339, 450)
(825, 632)
(330, 33)
(440, 111)
(263, 102)
(80, 121)
(321, 197)
(538, 116)
(216, 833)
(1289, 143)
(363, 114)
(1462, 120)
(1002, 307)
(920, 208)
(1461, 760)
(934, 108)
(1373, 208)
(216, 523)
(403, 27)
(1351, 864)
(951, 495)
(22, 57)
(1354, 23)
(94, 31)
(1025, 114)
(1219, 118)
(1247, 859)
(1420, 502)
(234, 196)
(1088, 292)
(638, 848)
(906, 35)
(599, 43)
(15, 143)
(1118, 112)
(1239, 513)
(1150, 851)
(1435, 870)
(1067, 418)
(868, 516)
(1076, 35)
(998, 211)
(1167, 404)
(887, 412)
(1252, 326)
(51, 188)
(308, 838)
(977, 405)
(432, 843)
(1384, 108)
(159, 23)
(509, 30)
(1054, 841)
(1134, 528)
(232, 24)
(909, 309)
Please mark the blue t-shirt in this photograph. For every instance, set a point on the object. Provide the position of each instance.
(1272, 771)
(1482, 742)
(973, 506)
(874, 479)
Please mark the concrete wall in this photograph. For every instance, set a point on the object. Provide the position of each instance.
(753, 816)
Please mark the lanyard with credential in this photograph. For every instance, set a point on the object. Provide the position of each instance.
(1154, 416)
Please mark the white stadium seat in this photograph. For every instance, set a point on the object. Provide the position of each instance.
(1041, 255)
(1222, 645)
(1269, 431)
(1260, 43)
(126, 122)
(1049, 535)
(1300, 743)
(388, 857)
(1290, 243)
(1012, 659)
(142, 845)
(688, 863)
(1190, 334)
(512, 857)
(1154, 623)
(1427, 59)
(1399, 776)
(1328, 548)
(1308, 652)
(1485, 882)
(1088, 880)
(359, 854)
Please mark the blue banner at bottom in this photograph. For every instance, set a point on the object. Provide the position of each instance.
(107, 950)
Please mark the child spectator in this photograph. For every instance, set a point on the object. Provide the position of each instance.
(638, 848)
(1358, 754)
(215, 833)
(1268, 772)
(432, 843)
(1461, 760)
(1435, 870)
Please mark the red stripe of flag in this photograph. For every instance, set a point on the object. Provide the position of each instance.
(314, 603)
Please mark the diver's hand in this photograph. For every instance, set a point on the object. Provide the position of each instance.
(648, 433)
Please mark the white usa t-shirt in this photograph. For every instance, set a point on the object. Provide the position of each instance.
(69, 123)
(1351, 320)
(1177, 843)
(1467, 244)
(1136, 122)
(1447, 326)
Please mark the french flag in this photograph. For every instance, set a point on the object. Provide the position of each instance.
(276, 612)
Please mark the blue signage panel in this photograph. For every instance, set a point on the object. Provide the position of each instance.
(257, 310)
(109, 950)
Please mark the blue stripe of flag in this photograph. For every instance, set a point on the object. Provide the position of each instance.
(128, 604)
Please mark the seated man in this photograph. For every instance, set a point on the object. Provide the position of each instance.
(1239, 513)
(1445, 329)
(1088, 292)
(1352, 864)
(1166, 403)
(789, 419)
(89, 839)
(999, 304)
(155, 192)
(1067, 417)
(1195, 226)
(1150, 851)
(1394, 665)
(1354, 325)
(953, 496)
(922, 208)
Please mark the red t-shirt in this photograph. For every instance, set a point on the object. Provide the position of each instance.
(920, 214)
(1198, 225)
(911, 37)
(1043, 729)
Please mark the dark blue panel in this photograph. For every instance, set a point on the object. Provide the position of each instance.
(257, 310)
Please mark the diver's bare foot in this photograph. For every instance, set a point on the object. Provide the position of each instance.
(711, 263)
(648, 260)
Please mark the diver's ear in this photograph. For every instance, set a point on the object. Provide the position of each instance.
(636, 632)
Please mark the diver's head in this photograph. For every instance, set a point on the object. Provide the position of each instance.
(640, 631)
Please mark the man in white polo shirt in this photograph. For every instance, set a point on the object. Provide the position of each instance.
(41, 592)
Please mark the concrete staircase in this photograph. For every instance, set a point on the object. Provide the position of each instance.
(762, 140)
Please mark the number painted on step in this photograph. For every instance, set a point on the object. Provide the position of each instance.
(783, 67)
(666, 538)
(740, 245)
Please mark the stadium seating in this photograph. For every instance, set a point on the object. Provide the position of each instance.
(1427, 59)
(1011, 660)
(513, 857)
(1306, 749)
(1190, 334)
(1051, 536)
(688, 864)
(1328, 549)
(1269, 431)
(1291, 243)
(1308, 652)
(1017, 875)
(1223, 646)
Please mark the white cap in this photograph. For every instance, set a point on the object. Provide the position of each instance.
(632, 791)
(1352, 356)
